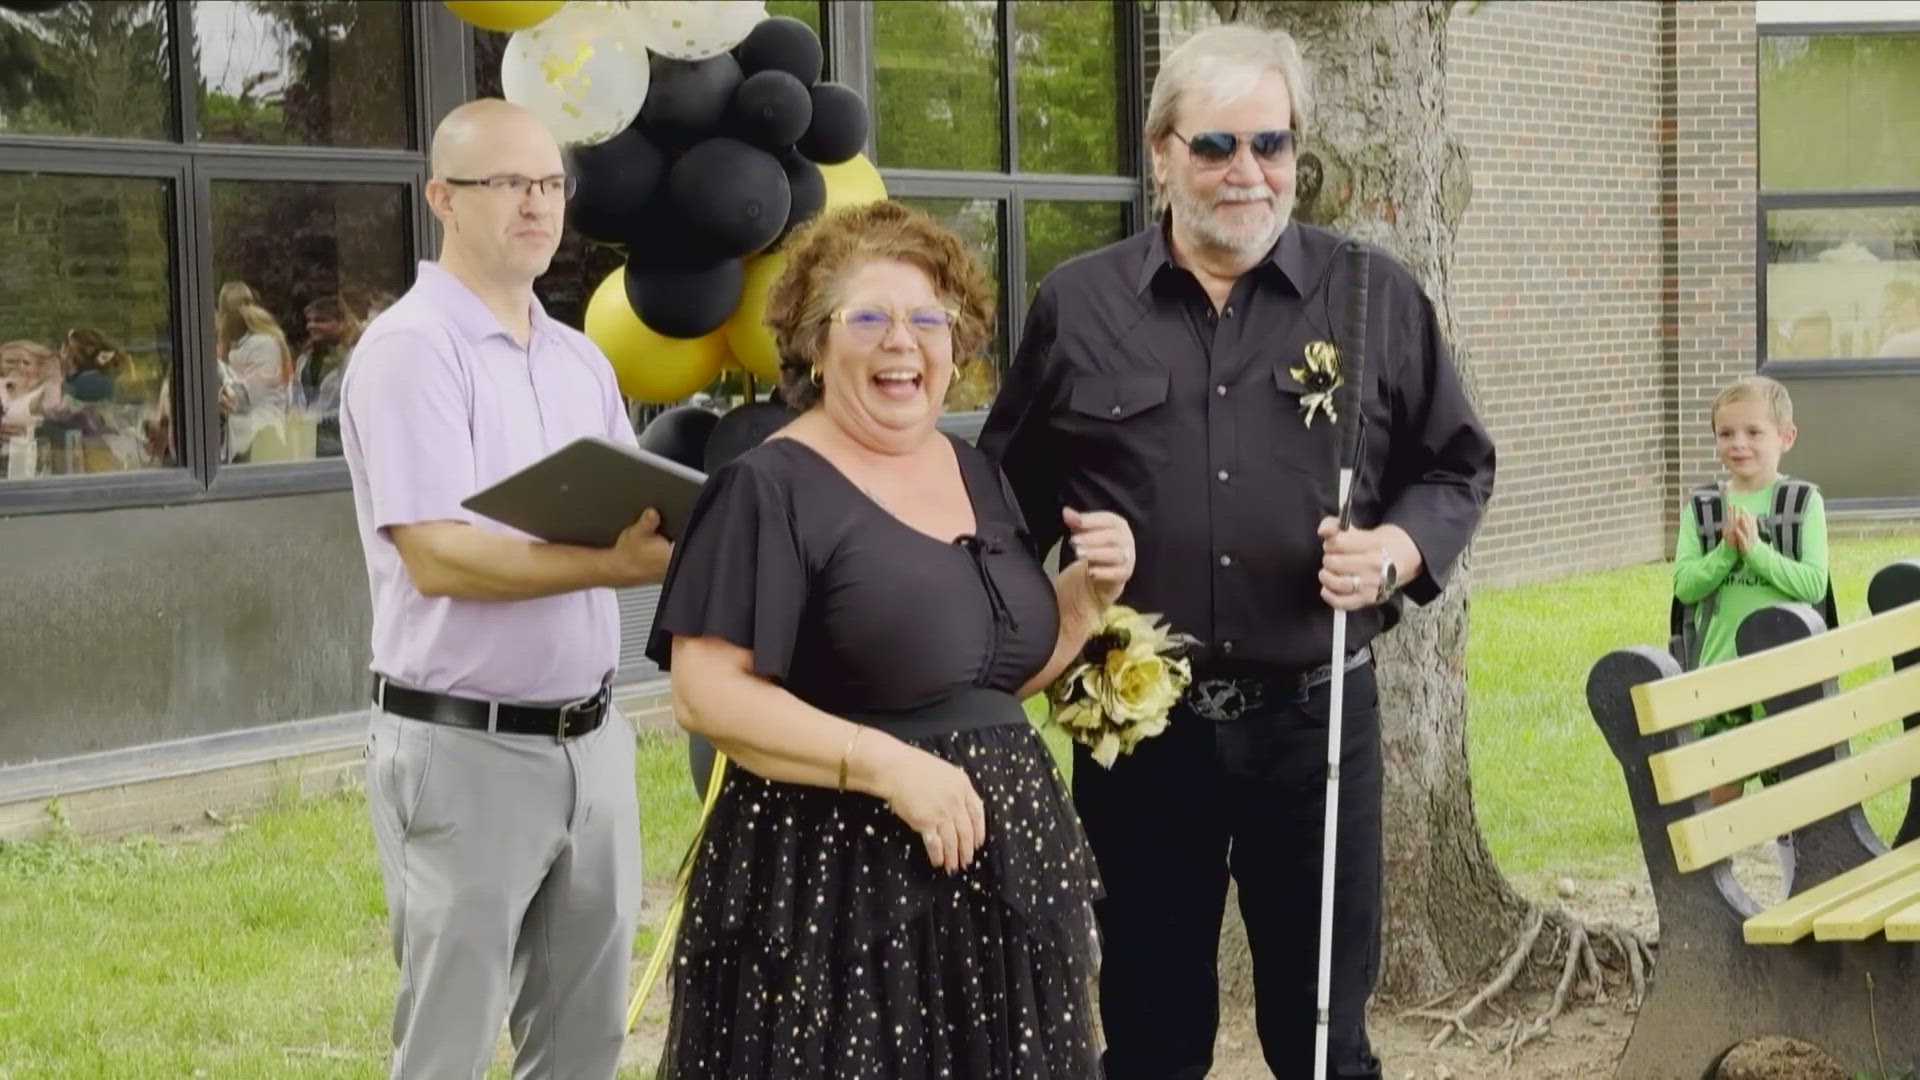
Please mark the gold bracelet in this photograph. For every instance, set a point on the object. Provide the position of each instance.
(847, 754)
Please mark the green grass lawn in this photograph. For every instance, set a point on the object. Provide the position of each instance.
(261, 950)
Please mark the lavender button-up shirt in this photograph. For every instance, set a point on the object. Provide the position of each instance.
(438, 402)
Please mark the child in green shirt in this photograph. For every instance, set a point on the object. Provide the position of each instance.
(1747, 566)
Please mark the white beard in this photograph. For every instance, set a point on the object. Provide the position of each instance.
(1196, 216)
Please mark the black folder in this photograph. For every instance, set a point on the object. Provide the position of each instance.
(590, 490)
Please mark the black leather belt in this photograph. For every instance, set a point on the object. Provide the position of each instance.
(563, 722)
(1231, 695)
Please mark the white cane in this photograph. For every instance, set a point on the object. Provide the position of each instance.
(1347, 417)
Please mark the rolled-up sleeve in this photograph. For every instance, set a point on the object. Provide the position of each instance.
(407, 404)
(1440, 454)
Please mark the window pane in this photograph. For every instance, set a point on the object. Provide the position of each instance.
(1843, 283)
(1839, 111)
(807, 11)
(978, 223)
(99, 68)
(937, 85)
(1057, 231)
(86, 324)
(1068, 81)
(298, 270)
(314, 73)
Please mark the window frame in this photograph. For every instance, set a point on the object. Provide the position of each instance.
(436, 50)
(850, 46)
(1817, 199)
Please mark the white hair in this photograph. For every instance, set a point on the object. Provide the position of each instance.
(1225, 63)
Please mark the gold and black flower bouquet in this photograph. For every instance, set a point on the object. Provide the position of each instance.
(1125, 682)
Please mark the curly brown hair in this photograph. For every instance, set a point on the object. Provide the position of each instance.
(821, 255)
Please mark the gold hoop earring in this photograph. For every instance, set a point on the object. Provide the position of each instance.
(815, 376)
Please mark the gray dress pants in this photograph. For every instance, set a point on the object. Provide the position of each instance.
(512, 867)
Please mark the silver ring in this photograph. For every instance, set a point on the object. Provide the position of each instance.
(1353, 583)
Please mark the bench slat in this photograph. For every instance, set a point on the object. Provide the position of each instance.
(1734, 755)
(1712, 835)
(1863, 916)
(1904, 925)
(1793, 918)
(1665, 704)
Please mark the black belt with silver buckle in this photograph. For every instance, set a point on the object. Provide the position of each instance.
(1229, 697)
(563, 722)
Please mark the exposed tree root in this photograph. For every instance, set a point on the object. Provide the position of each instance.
(1584, 958)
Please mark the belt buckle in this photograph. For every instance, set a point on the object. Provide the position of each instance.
(595, 702)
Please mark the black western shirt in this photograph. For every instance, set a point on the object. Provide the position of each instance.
(1131, 393)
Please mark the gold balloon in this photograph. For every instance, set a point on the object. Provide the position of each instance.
(505, 16)
(746, 329)
(651, 366)
(851, 183)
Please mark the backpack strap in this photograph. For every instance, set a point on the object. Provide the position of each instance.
(1709, 513)
(1788, 521)
(1685, 622)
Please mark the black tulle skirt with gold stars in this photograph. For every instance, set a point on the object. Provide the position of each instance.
(818, 941)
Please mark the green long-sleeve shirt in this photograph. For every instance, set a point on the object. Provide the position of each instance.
(1745, 584)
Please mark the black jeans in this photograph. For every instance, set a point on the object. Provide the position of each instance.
(1245, 796)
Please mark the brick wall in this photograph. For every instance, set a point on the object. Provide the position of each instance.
(1604, 282)
(1558, 274)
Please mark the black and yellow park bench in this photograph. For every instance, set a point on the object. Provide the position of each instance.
(1837, 962)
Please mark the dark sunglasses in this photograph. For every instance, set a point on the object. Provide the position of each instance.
(1218, 147)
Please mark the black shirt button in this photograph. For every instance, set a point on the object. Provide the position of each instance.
(1226, 560)
(1222, 474)
(1221, 390)
(1116, 410)
(1226, 647)
(1229, 312)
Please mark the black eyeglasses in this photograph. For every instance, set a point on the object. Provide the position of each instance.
(1215, 148)
(522, 186)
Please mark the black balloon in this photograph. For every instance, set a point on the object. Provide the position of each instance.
(808, 186)
(680, 434)
(771, 110)
(617, 178)
(686, 303)
(734, 197)
(782, 43)
(663, 239)
(839, 127)
(687, 99)
(743, 428)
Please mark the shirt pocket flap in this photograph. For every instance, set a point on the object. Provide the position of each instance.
(1118, 397)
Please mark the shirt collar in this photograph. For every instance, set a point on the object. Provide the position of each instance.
(1288, 255)
(470, 314)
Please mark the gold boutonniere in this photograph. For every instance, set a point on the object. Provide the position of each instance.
(1121, 687)
(1321, 376)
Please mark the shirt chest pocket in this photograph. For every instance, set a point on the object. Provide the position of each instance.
(1117, 422)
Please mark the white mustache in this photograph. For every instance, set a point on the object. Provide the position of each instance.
(1225, 193)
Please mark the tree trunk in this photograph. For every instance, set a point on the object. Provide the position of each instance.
(1378, 163)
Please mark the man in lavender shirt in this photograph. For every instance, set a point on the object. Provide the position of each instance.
(499, 775)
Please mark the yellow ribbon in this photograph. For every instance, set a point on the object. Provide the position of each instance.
(670, 926)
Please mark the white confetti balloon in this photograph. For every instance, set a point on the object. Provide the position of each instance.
(581, 71)
(694, 29)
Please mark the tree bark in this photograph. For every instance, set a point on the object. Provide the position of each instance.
(1378, 163)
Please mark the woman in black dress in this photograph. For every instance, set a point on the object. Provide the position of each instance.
(892, 882)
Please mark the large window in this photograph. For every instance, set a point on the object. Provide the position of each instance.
(201, 203)
(1840, 194)
(1015, 122)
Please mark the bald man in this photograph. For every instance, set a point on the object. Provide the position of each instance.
(499, 774)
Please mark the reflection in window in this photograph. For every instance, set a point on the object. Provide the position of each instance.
(1839, 111)
(86, 331)
(1057, 231)
(1843, 282)
(807, 11)
(325, 73)
(978, 222)
(95, 68)
(937, 96)
(299, 270)
(1068, 78)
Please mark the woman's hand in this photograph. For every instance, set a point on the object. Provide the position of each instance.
(937, 799)
(1104, 543)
